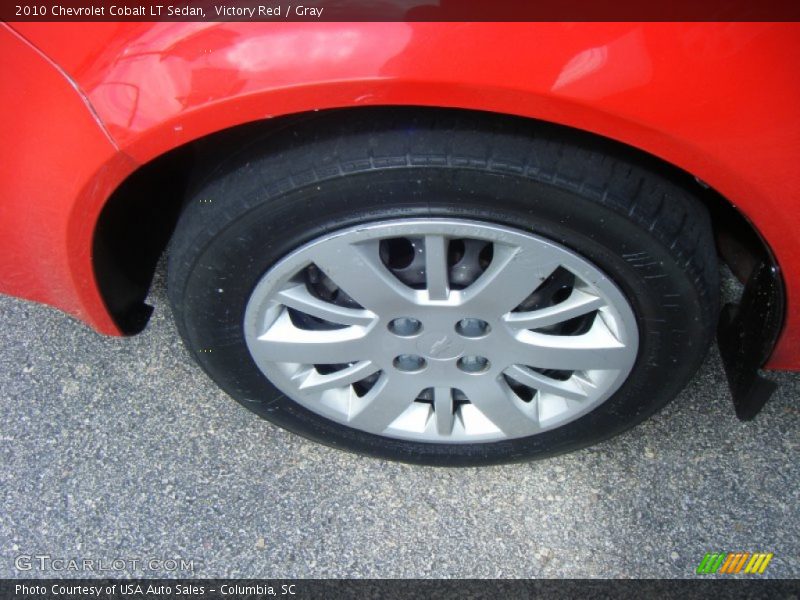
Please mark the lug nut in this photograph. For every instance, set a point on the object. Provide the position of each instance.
(409, 363)
(472, 328)
(473, 364)
(405, 326)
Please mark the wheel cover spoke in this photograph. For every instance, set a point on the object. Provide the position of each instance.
(284, 342)
(527, 376)
(386, 401)
(596, 349)
(578, 304)
(441, 330)
(314, 381)
(498, 403)
(514, 270)
(357, 269)
(299, 298)
(443, 410)
(436, 270)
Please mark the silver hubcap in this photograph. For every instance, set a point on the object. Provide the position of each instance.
(441, 330)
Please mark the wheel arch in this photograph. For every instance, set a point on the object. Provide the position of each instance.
(136, 223)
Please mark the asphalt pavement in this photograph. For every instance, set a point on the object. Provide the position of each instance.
(123, 450)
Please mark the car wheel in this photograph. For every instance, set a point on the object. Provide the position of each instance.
(444, 289)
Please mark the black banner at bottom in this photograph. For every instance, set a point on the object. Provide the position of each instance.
(302, 589)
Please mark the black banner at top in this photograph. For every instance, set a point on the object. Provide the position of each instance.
(399, 10)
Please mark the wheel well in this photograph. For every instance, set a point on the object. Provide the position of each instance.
(136, 223)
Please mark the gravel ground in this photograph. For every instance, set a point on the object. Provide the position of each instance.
(123, 449)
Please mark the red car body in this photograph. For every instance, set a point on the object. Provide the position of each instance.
(84, 105)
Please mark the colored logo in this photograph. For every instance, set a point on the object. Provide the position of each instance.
(731, 563)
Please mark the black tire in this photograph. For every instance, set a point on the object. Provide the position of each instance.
(644, 230)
